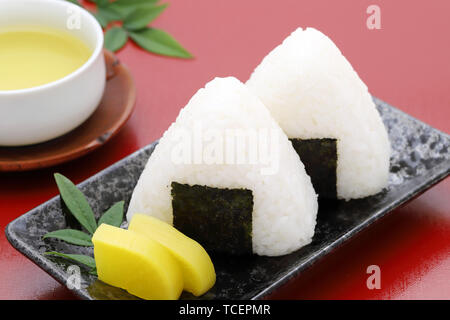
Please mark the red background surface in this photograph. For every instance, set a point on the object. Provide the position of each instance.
(406, 63)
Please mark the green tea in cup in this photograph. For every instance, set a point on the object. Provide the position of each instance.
(33, 56)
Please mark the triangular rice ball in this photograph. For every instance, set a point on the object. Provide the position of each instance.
(227, 176)
(313, 93)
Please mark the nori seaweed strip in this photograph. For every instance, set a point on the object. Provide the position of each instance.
(320, 159)
(219, 219)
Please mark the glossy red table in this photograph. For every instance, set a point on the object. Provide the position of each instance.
(406, 63)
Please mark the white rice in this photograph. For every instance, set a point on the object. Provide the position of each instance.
(312, 91)
(285, 204)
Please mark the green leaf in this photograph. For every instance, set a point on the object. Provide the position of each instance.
(93, 272)
(125, 7)
(160, 42)
(101, 19)
(114, 215)
(107, 15)
(80, 258)
(134, 2)
(74, 2)
(115, 38)
(71, 236)
(101, 2)
(76, 203)
(141, 17)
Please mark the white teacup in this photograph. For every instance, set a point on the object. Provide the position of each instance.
(38, 114)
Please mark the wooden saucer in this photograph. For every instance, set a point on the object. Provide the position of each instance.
(114, 110)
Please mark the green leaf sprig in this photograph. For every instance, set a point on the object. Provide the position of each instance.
(125, 19)
(79, 207)
(80, 258)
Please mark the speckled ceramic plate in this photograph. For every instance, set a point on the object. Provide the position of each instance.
(420, 159)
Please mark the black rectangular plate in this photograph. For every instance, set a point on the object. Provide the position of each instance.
(420, 159)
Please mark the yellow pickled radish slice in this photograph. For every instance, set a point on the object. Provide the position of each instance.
(196, 265)
(133, 262)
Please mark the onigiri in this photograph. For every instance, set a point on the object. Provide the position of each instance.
(323, 106)
(226, 175)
